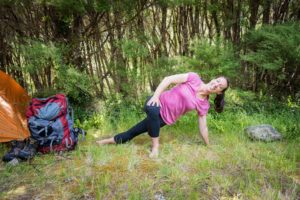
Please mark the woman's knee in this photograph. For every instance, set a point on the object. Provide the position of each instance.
(122, 138)
(153, 134)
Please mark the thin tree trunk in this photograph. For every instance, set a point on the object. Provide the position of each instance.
(228, 12)
(208, 24)
(37, 83)
(280, 11)
(3, 50)
(215, 18)
(254, 4)
(163, 30)
(196, 24)
(236, 24)
(185, 35)
(266, 11)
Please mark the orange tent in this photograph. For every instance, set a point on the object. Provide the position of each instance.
(13, 102)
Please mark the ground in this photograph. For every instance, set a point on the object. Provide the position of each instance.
(232, 167)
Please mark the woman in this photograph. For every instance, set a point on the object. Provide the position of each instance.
(165, 107)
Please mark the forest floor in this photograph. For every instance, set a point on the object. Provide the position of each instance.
(232, 167)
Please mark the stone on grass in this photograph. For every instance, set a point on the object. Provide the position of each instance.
(159, 196)
(13, 162)
(264, 132)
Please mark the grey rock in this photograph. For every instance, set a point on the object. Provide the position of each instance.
(263, 132)
(13, 162)
(159, 196)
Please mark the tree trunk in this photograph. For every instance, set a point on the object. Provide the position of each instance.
(236, 24)
(208, 24)
(184, 26)
(254, 4)
(119, 59)
(75, 40)
(3, 50)
(196, 24)
(266, 11)
(37, 83)
(215, 18)
(280, 11)
(228, 15)
(163, 30)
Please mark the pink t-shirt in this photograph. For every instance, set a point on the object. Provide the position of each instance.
(181, 99)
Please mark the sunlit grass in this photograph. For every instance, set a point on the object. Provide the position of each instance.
(232, 167)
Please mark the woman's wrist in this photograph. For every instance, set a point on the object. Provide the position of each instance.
(156, 96)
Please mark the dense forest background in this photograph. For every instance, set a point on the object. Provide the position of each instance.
(108, 49)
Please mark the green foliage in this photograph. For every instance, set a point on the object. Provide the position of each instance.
(45, 59)
(39, 55)
(213, 59)
(275, 50)
(15, 3)
(173, 3)
(161, 67)
(117, 110)
(75, 84)
(134, 49)
(274, 47)
(68, 7)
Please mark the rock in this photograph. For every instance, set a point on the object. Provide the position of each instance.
(159, 196)
(264, 132)
(13, 162)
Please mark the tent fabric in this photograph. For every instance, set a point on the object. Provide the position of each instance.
(13, 103)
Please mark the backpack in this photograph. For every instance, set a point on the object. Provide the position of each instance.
(50, 121)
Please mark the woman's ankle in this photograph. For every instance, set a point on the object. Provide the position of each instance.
(106, 141)
(154, 153)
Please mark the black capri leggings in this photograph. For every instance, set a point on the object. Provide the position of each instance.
(151, 123)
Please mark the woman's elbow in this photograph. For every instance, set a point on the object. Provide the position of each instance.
(167, 80)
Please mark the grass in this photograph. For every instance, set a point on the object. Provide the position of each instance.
(232, 167)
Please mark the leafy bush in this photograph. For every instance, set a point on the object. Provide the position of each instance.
(275, 53)
(133, 49)
(39, 55)
(214, 59)
(76, 85)
(43, 62)
(161, 67)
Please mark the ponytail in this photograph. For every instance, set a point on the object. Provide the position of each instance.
(219, 102)
(219, 99)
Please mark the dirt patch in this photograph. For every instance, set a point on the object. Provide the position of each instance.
(148, 166)
(211, 155)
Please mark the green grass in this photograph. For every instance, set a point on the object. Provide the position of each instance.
(232, 167)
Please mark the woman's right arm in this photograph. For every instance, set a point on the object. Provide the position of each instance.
(203, 128)
(174, 79)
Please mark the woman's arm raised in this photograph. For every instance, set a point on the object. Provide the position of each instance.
(174, 79)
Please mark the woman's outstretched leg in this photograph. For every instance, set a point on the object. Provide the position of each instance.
(126, 136)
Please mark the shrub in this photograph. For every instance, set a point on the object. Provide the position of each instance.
(274, 51)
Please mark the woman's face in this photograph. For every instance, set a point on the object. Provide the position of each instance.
(217, 85)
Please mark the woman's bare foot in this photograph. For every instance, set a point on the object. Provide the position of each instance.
(155, 146)
(154, 153)
(106, 141)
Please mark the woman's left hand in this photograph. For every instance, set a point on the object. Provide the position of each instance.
(154, 101)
